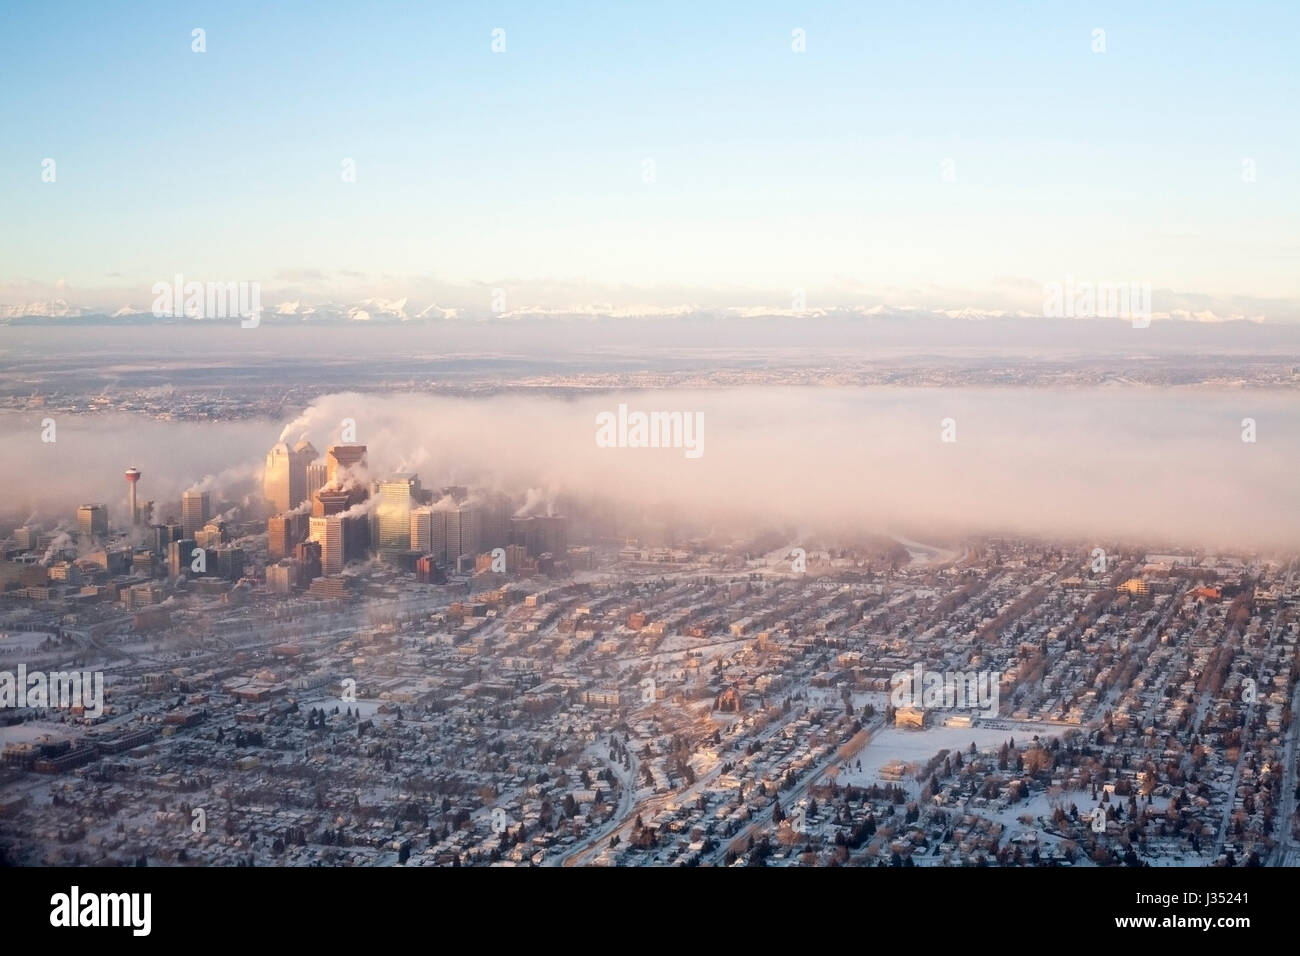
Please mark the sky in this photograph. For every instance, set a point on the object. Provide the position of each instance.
(914, 152)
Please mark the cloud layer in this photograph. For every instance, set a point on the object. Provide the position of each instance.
(1099, 465)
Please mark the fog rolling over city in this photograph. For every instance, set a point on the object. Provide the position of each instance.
(1115, 465)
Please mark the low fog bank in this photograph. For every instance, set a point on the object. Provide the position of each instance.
(1135, 465)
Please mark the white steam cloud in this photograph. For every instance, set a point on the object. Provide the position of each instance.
(58, 543)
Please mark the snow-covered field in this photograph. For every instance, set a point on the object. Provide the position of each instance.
(918, 746)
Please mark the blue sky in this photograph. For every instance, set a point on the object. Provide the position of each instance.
(773, 170)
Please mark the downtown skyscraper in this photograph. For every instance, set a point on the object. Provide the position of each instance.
(285, 479)
(196, 509)
(397, 495)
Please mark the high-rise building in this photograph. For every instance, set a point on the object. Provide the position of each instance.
(283, 532)
(211, 535)
(317, 475)
(278, 535)
(282, 577)
(285, 481)
(144, 562)
(132, 510)
(66, 572)
(92, 521)
(341, 457)
(307, 554)
(494, 510)
(393, 512)
(282, 484)
(175, 531)
(196, 510)
(439, 540)
(356, 537)
(355, 529)
(427, 572)
(330, 501)
(520, 528)
(229, 563)
(331, 587)
(306, 454)
(526, 533)
(516, 558)
(159, 537)
(327, 531)
(462, 534)
(422, 529)
(554, 535)
(541, 534)
(429, 532)
(179, 555)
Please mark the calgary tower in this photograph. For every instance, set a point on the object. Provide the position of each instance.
(132, 476)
